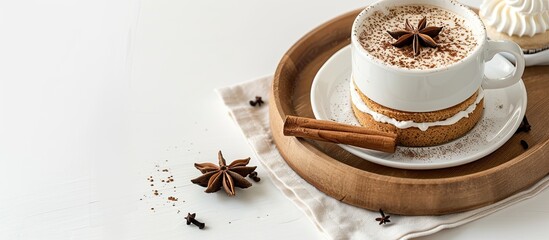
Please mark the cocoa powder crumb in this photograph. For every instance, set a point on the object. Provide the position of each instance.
(172, 198)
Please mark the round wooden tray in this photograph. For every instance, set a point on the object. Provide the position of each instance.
(361, 183)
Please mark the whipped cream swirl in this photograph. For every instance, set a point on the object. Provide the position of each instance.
(517, 17)
(529, 6)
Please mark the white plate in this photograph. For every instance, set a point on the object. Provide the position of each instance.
(532, 59)
(503, 113)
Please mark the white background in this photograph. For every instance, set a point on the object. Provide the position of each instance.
(96, 96)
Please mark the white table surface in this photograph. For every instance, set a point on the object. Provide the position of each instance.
(96, 96)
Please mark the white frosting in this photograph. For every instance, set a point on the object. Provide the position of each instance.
(529, 6)
(516, 17)
(423, 126)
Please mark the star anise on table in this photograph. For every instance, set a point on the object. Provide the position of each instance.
(422, 35)
(227, 176)
(383, 219)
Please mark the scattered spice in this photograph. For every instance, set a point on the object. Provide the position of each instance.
(524, 126)
(172, 198)
(524, 144)
(158, 190)
(258, 101)
(191, 219)
(254, 176)
(383, 219)
(228, 176)
(422, 35)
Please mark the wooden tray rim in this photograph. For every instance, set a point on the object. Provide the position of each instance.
(310, 149)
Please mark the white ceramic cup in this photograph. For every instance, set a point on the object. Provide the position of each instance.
(425, 90)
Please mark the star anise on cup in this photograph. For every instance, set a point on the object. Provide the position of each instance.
(422, 35)
(227, 176)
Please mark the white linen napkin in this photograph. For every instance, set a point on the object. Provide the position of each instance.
(335, 219)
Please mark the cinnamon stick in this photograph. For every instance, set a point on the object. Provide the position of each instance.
(330, 131)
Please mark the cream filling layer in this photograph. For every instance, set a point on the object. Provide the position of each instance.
(423, 126)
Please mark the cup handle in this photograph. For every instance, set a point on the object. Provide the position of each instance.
(494, 47)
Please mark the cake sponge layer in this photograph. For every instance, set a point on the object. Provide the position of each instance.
(414, 137)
